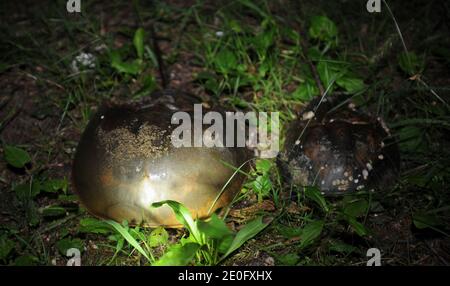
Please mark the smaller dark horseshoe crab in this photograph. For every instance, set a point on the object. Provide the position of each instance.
(338, 149)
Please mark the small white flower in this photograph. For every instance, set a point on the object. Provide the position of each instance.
(83, 60)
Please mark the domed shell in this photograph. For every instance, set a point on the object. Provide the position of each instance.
(338, 149)
(125, 161)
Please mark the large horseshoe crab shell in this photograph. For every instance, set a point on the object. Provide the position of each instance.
(125, 162)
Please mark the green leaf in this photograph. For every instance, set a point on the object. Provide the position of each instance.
(16, 157)
(214, 228)
(32, 213)
(178, 255)
(358, 227)
(53, 186)
(217, 230)
(289, 259)
(225, 61)
(151, 56)
(6, 246)
(262, 185)
(53, 211)
(422, 220)
(132, 68)
(306, 91)
(127, 236)
(410, 138)
(247, 232)
(356, 208)
(341, 247)
(328, 72)
(313, 193)
(26, 260)
(263, 41)
(322, 28)
(67, 243)
(350, 84)
(310, 232)
(288, 231)
(149, 85)
(235, 26)
(27, 191)
(138, 42)
(183, 215)
(67, 198)
(410, 63)
(263, 166)
(157, 237)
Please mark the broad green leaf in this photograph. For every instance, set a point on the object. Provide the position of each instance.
(306, 90)
(15, 156)
(53, 211)
(339, 246)
(358, 227)
(247, 232)
(288, 231)
(350, 84)
(422, 220)
(149, 85)
(178, 255)
(214, 228)
(263, 41)
(289, 259)
(356, 208)
(138, 42)
(67, 243)
(92, 225)
(26, 260)
(32, 213)
(54, 185)
(67, 198)
(157, 237)
(235, 26)
(262, 185)
(127, 236)
(410, 138)
(152, 56)
(263, 165)
(322, 28)
(328, 72)
(132, 68)
(27, 191)
(6, 246)
(310, 232)
(410, 63)
(225, 61)
(313, 193)
(183, 216)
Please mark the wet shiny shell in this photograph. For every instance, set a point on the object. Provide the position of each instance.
(125, 162)
(338, 149)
